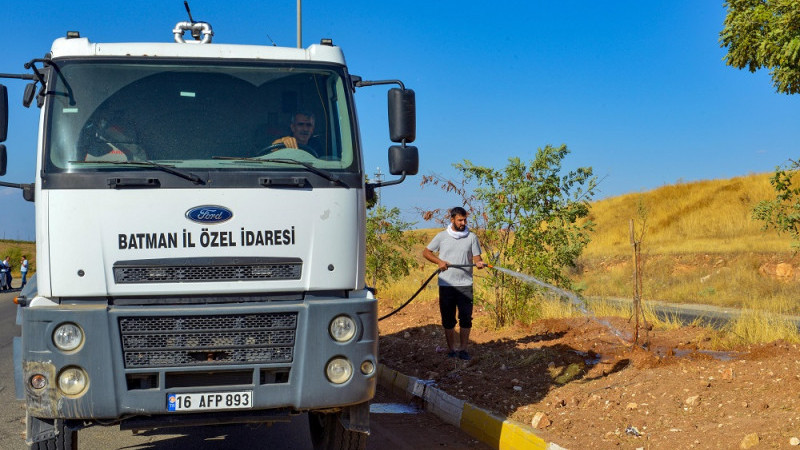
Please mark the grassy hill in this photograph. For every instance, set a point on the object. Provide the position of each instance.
(700, 245)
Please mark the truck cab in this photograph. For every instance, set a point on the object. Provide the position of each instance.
(194, 266)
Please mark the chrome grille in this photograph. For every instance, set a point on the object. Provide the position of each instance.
(206, 270)
(150, 342)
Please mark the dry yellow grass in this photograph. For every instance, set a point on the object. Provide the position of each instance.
(703, 216)
(700, 245)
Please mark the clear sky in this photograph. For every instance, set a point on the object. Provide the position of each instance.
(637, 90)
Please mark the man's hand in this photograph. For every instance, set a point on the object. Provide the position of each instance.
(427, 254)
(287, 141)
(479, 263)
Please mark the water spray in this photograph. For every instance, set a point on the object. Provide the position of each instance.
(573, 298)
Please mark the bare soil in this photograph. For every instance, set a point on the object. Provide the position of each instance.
(593, 389)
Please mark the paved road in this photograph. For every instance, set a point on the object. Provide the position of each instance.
(389, 431)
(687, 313)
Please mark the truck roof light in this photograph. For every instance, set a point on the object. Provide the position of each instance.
(326, 41)
(73, 34)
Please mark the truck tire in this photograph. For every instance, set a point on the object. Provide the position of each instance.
(67, 439)
(327, 433)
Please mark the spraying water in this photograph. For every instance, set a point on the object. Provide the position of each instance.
(573, 298)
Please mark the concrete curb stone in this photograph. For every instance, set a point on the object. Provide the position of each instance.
(499, 433)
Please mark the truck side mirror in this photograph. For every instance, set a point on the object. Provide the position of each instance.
(3, 113)
(402, 115)
(3, 160)
(403, 160)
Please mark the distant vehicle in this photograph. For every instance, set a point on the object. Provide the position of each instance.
(190, 271)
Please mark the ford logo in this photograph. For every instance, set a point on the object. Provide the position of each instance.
(209, 214)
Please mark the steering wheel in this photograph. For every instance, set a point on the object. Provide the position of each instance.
(279, 145)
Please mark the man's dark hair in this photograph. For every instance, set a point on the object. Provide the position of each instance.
(302, 113)
(458, 211)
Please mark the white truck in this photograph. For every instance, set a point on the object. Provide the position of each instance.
(190, 271)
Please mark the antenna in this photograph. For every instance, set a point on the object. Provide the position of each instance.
(188, 11)
(270, 39)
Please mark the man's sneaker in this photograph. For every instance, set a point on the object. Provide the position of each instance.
(452, 354)
(464, 355)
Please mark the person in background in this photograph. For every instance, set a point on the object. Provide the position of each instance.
(455, 245)
(3, 278)
(23, 269)
(7, 268)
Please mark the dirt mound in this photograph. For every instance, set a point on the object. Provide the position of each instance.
(594, 390)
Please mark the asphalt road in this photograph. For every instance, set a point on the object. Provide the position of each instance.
(389, 431)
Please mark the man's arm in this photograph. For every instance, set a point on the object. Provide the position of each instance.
(478, 261)
(427, 254)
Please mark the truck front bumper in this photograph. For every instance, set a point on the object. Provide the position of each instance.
(136, 357)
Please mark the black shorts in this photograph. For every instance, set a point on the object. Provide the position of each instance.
(452, 298)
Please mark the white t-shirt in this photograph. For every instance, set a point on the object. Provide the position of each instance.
(455, 251)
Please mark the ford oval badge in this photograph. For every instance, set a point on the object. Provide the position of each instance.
(209, 214)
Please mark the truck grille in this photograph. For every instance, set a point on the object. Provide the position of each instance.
(206, 269)
(180, 341)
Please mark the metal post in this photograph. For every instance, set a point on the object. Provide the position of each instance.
(378, 179)
(299, 24)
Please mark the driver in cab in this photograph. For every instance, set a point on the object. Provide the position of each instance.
(302, 127)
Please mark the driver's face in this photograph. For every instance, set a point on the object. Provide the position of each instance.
(302, 128)
(459, 222)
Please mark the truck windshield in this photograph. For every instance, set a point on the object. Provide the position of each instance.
(197, 116)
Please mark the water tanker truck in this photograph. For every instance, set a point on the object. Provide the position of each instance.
(193, 266)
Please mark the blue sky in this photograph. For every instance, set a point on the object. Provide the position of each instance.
(637, 90)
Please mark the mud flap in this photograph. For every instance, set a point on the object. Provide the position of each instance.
(356, 418)
(40, 430)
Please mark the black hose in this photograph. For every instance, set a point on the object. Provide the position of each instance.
(420, 290)
(412, 297)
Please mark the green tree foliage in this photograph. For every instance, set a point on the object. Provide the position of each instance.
(783, 212)
(765, 34)
(389, 254)
(530, 218)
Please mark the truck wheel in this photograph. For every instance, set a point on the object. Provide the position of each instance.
(327, 433)
(67, 439)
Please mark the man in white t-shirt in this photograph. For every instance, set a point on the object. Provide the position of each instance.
(456, 246)
(23, 268)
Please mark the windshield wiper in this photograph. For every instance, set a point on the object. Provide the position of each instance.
(327, 175)
(169, 169)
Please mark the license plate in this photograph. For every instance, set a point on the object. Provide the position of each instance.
(206, 401)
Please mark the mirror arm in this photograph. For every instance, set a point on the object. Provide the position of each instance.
(23, 76)
(27, 189)
(14, 185)
(388, 183)
(362, 83)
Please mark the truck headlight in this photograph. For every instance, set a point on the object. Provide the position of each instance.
(68, 337)
(72, 380)
(342, 328)
(339, 370)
